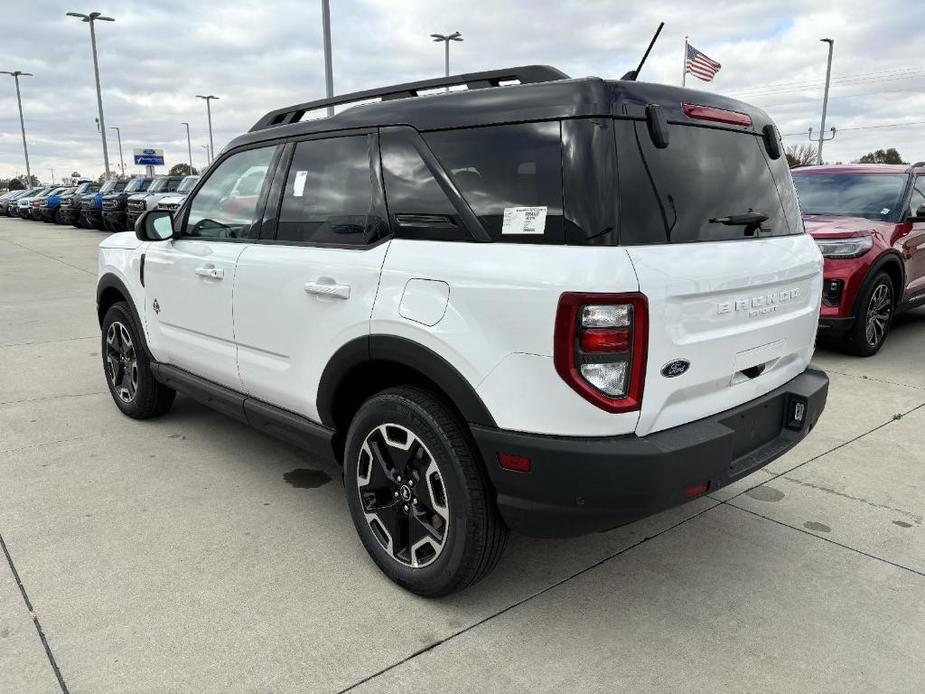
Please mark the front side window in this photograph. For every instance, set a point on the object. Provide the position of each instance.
(328, 196)
(225, 207)
(872, 196)
(511, 176)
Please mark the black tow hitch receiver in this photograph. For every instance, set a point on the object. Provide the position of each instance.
(795, 414)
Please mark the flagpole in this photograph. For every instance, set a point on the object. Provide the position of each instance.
(684, 64)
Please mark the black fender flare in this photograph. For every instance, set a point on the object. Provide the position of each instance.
(111, 281)
(891, 257)
(400, 350)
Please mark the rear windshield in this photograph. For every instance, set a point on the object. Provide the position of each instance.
(708, 184)
(872, 196)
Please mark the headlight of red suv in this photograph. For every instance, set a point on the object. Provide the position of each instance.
(845, 248)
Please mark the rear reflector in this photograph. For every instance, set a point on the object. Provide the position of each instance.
(605, 340)
(719, 115)
(696, 490)
(517, 463)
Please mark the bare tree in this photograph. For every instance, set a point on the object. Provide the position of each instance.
(801, 155)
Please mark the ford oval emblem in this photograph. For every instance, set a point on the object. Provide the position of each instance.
(675, 368)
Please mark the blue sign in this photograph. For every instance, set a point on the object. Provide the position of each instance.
(149, 157)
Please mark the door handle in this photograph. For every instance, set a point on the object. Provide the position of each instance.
(328, 287)
(211, 272)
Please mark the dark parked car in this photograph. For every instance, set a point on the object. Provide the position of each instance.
(91, 206)
(115, 203)
(69, 210)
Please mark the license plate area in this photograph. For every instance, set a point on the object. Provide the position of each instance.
(756, 427)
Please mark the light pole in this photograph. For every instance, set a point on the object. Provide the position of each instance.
(446, 38)
(328, 68)
(189, 147)
(825, 98)
(22, 124)
(91, 19)
(208, 154)
(208, 99)
(119, 136)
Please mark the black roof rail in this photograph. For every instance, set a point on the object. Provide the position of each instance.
(525, 74)
(916, 165)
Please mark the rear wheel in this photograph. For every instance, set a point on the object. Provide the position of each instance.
(874, 317)
(417, 494)
(128, 370)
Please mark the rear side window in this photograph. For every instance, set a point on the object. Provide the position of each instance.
(329, 196)
(511, 176)
(705, 177)
(417, 204)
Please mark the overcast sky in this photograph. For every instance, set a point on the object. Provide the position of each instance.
(262, 55)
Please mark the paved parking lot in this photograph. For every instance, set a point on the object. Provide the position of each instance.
(191, 554)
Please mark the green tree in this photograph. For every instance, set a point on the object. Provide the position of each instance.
(182, 170)
(16, 184)
(889, 156)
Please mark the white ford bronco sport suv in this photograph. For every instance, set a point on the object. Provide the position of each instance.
(554, 306)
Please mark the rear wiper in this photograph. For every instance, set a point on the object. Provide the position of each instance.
(748, 219)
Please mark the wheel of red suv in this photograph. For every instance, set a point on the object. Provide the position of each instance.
(418, 497)
(128, 371)
(875, 314)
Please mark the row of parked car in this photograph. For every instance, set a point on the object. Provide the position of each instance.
(111, 206)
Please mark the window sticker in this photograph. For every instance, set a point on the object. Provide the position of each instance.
(298, 187)
(524, 220)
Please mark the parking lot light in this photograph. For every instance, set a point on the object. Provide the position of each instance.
(189, 147)
(119, 136)
(445, 39)
(208, 100)
(91, 19)
(16, 74)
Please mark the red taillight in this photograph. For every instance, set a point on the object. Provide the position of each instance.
(600, 347)
(719, 115)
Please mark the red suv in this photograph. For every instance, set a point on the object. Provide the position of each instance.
(869, 222)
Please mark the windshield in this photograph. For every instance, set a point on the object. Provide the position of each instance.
(108, 186)
(871, 196)
(186, 185)
(157, 185)
(137, 185)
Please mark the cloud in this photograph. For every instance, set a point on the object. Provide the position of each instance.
(257, 56)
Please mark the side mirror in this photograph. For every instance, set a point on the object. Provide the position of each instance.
(154, 225)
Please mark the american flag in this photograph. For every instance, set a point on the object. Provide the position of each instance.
(700, 65)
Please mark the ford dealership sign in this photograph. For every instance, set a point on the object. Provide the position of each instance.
(149, 157)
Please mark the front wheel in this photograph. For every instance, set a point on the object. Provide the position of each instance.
(417, 494)
(874, 317)
(128, 371)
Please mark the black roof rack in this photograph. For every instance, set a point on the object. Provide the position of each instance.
(916, 165)
(526, 74)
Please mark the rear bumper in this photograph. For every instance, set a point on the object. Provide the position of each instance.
(835, 328)
(582, 485)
